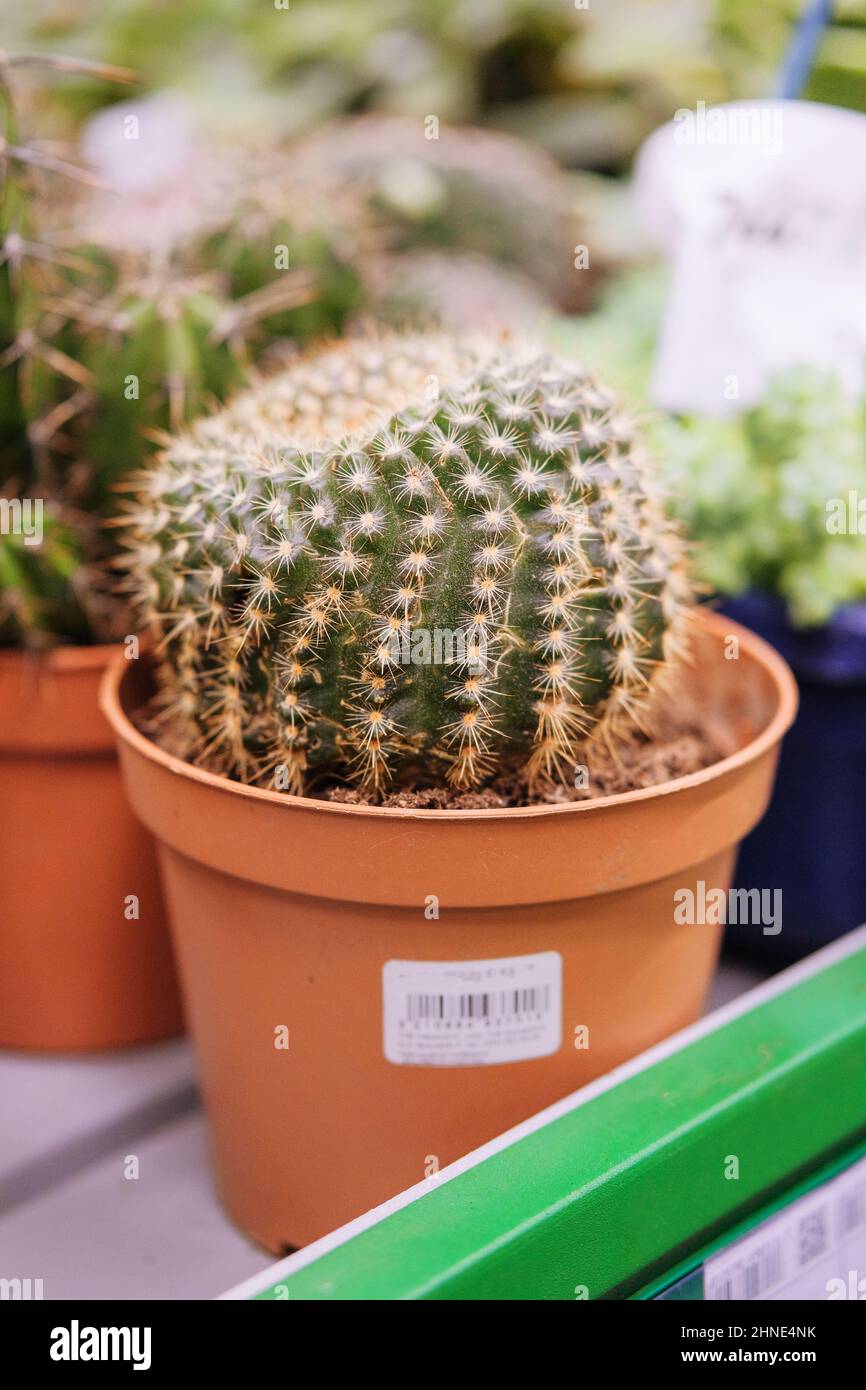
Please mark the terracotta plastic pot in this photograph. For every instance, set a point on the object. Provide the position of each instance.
(292, 916)
(78, 969)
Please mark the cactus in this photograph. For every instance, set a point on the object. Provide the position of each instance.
(177, 284)
(455, 188)
(296, 555)
(143, 308)
(44, 591)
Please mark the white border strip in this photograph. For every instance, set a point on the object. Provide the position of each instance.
(752, 999)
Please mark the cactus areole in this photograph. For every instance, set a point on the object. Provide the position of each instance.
(403, 560)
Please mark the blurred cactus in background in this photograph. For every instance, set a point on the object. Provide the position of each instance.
(456, 189)
(139, 305)
(455, 291)
(44, 591)
(186, 254)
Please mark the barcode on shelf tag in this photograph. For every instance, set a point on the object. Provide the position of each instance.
(814, 1248)
(472, 1013)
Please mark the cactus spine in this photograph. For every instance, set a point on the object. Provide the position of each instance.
(296, 555)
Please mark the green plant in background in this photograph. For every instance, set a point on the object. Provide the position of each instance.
(753, 489)
(589, 84)
(755, 492)
(500, 61)
(16, 461)
(296, 555)
(43, 591)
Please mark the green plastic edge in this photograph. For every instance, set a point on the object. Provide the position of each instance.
(612, 1194)
(694, 1262)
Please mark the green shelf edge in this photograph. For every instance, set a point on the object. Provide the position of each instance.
(630, 1178)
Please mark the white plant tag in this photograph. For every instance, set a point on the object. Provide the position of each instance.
(761, 208)
(815, 1248)
(472, 1013)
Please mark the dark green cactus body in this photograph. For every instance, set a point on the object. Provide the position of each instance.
(412, 558)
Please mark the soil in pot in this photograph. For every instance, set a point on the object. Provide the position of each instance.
(85, 957)
(684, 739)
(374, 991)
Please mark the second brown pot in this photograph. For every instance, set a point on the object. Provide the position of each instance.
(373, 991)
(85, 958)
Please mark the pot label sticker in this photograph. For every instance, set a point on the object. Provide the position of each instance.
(472, 1013)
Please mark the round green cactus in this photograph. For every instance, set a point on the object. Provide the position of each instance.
(408, 558)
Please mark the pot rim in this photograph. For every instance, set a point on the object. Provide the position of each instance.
(775, 665)
(62, 659)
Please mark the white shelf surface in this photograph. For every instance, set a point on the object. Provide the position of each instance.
(70, 1215)
(60, 1113)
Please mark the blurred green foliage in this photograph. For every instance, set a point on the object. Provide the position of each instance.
(588, 83)
(753, 489)
(585, 82)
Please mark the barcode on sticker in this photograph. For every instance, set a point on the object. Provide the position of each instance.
(763, 1273)
(749, 1279)
(510, 1003)
(806, 1250)
(472, 1012)
(852, 1209)
(813, 1235)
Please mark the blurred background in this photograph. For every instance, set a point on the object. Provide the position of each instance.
(588, 83)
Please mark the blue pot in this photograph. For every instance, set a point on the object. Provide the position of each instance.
(812, 841)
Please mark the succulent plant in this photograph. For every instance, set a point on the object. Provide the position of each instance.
(413, 558)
